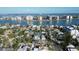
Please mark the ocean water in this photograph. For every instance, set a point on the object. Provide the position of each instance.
(22, 23)
(74, 21)
(61, 23)
(46, 23)
(36, 23)
(8, 21)
(43, 23)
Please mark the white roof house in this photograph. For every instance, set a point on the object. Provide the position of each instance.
(36, 37)
(74, 33)
(43, 37)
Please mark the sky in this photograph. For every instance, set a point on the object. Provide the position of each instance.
(38, 10)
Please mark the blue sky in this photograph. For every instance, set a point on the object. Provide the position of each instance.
(15, 10)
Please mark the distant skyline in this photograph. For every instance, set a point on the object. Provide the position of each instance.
(38, 10)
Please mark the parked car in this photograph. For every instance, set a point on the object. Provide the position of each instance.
(71, 47)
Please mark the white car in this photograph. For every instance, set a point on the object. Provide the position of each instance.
(36, 49)
(71, 47)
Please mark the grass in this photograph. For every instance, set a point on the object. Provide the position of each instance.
(2, 31)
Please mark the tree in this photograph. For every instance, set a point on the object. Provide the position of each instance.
(15, 44)
(2, 31)
(67, 40)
